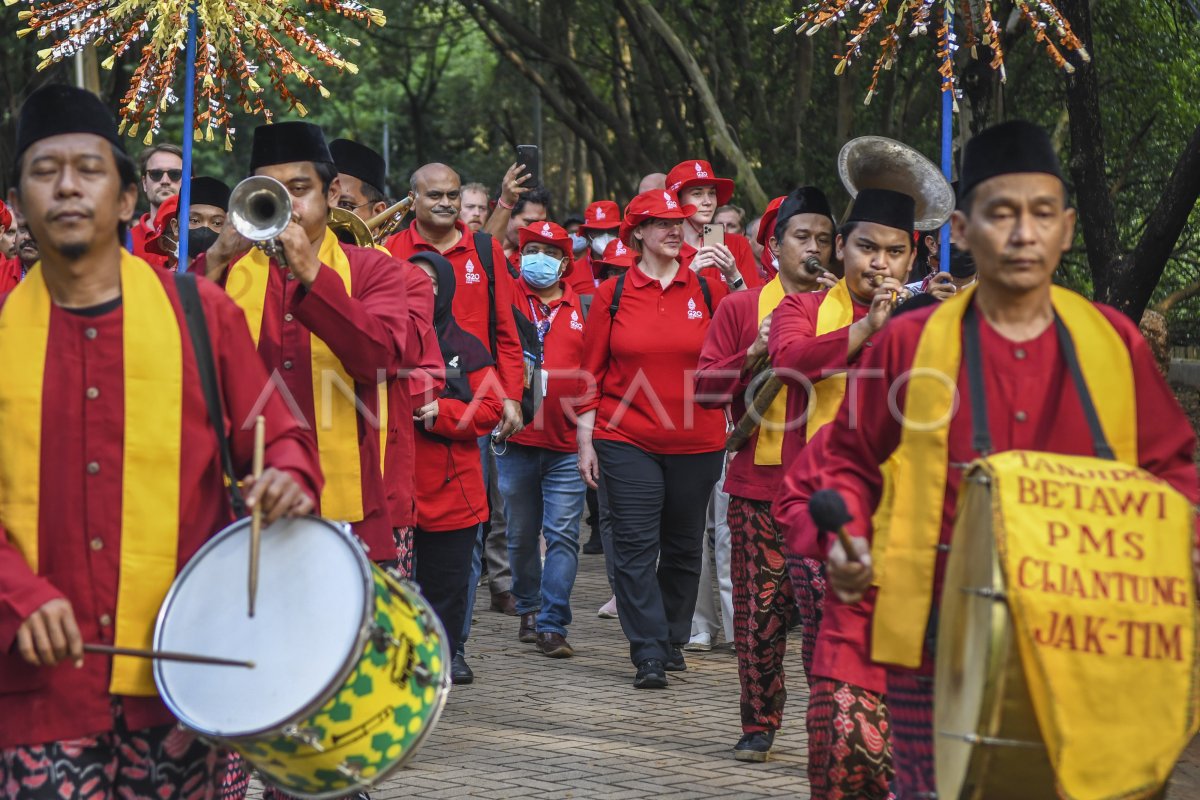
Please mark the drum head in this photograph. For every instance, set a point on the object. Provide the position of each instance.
(965, 640)
(314, 591)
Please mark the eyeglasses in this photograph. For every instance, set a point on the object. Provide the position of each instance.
(348, 205)
(156, 175)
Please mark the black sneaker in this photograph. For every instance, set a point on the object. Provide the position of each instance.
(754, 746)
(593, 546)
(460, 671)
(650, 675)
(675, 662)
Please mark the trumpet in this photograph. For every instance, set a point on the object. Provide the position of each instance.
(260, 209)
(877, 281)
(813, 266)
(351, 229)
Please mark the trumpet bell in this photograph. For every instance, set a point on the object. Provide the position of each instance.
(876, 162)
(349, 228)
(260, 208)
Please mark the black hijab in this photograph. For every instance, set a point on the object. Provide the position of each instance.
(462, 352)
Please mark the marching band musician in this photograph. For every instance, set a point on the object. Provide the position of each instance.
(762, 590)
(331, 325)
(1015, 221)
(362, 177)
(110, 473)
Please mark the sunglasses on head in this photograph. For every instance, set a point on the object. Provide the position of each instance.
(157, 174)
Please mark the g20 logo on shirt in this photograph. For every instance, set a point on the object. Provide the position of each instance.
(576, 325)
(693, 313)
(472, 275)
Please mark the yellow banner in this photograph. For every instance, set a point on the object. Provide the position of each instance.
(1097, 558)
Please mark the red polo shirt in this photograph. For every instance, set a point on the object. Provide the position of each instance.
(553, 427)
(721, 382)
(79, 537)
(471, 308)
(801, 358)
(743, 256)
(644, 364)
(582, 276)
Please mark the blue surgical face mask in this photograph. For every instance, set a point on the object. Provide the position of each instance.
(578, 243)
(540, 270)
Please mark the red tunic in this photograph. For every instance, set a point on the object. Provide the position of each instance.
(141, 232)
(419, 383)
(553, 427)
(721, 382)
(841, 652)
(1032, 404)
(449, 475)
(80, 529)
(743, 256)
(10, 273)
(644, 364)
(368, 331)
(801, 358)
(471, 298)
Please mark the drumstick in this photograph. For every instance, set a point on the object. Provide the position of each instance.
(165, 655)
(828, 511)
(260, 435)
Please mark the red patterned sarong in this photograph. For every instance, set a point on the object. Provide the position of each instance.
(849, 742)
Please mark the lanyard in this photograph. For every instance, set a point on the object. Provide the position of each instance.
(543, 324)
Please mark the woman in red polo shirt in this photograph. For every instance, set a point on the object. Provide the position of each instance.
(451, 497)
(643, 436)
(695, 184)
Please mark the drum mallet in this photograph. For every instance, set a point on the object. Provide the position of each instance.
(828, 510)
(260, 426)
(165, 655)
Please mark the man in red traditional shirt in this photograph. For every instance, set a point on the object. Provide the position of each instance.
(734, 347)
(537, 475)
(362, 176)
(483, 303)
(95, 341)
(331, 325)
(1015, 221)
(161, 168)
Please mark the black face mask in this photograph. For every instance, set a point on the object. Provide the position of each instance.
(200, 239)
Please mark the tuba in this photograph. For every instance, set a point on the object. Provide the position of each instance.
(260, 208)
(351, 229)
(868, 162)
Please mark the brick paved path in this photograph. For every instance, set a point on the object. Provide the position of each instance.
(535, 727)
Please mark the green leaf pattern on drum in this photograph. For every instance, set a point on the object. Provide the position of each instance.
(377, 716)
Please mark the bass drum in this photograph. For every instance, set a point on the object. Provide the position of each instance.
(351, 667)
(987, 742)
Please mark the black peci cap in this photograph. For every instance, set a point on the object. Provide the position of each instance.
(359, 161)
(885, 207)
(1006, 149)
(803, 200)
(288, 142)
(210, 192)
(57, 109)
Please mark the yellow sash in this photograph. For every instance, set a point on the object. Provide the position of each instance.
(768, 452)
(336, 418)
(1097, 565)
(153, 375)
(835, 313)
(902, 606)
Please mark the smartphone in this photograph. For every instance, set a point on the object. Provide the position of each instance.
(713, 234)
(527, 156)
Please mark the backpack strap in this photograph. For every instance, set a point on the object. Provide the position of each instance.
(618, 290)
(704, 290)
(483, 249)
(193, 314)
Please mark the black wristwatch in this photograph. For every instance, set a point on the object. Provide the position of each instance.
(738, 283)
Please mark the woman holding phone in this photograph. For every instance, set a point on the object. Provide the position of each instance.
(707, 248)
(642, 435)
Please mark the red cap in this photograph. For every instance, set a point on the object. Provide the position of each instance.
(169, 209)
(654, 204)
(602, 215)
(6, 217)
(766, 226)
(618, 255)
(549, 233)
(698, 173)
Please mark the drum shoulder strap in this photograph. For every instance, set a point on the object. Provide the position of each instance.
(193, 314)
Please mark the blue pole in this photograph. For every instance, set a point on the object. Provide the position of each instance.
(189, 121)
(947, 138)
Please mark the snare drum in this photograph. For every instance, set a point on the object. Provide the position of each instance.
(987, 743)
(351, 667)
